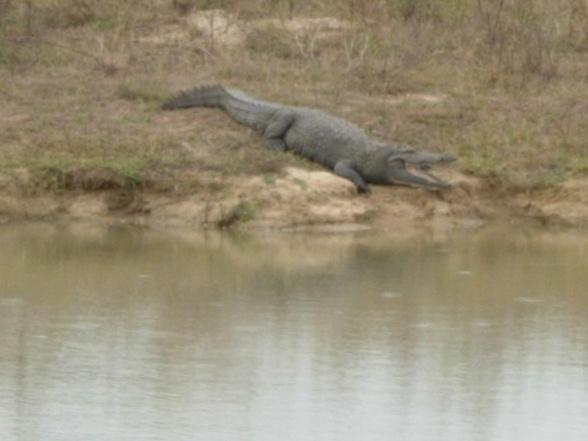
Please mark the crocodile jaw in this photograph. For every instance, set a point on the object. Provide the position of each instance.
(413, 175)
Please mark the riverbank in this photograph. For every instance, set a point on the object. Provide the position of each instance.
(298, 199)
(83, 136)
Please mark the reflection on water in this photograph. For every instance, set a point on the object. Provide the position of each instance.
(127, 334)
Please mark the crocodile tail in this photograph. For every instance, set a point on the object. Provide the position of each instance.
(205, 96)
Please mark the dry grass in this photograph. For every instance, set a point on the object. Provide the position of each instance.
(500, 83)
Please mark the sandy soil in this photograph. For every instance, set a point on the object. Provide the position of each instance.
(297, 200)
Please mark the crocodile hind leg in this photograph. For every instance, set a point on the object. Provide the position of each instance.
(279, 123)
(344, 168)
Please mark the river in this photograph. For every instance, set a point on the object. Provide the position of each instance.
(126, 333)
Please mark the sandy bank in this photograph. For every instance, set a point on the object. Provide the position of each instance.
(296, 199)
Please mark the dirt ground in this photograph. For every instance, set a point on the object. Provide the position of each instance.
(298, 200)
(83, 136)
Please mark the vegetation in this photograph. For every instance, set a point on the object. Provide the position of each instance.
(500, 83)
(241, 212)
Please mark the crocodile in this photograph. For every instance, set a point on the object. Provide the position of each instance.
(332, 142)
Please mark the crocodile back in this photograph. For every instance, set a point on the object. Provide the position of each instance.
(325, 138)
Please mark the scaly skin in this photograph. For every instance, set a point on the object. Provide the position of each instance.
(335, 143)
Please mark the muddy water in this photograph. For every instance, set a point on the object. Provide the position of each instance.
(131, 334)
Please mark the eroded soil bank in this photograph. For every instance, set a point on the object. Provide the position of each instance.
(296, 199)
(83, 136)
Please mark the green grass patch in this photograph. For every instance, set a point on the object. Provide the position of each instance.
(241, 212)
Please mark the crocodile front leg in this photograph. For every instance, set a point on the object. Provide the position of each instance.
(345, 169)
(278, 125)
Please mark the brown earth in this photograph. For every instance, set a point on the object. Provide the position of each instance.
(83, 138)
(296, 200)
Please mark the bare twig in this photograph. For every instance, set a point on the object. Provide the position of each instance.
(492, 16)
(349, 46)
(307, 50)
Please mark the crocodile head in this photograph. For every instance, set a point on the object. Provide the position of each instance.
(408, 167)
